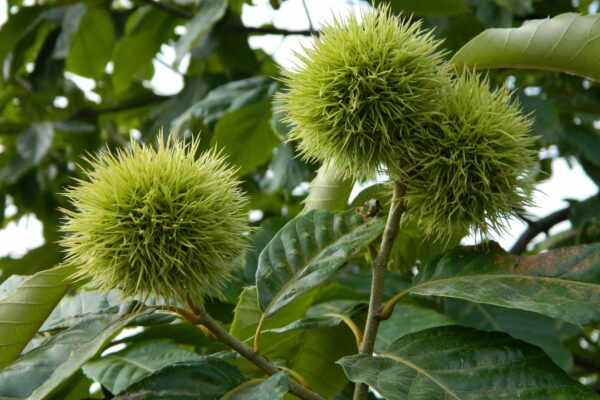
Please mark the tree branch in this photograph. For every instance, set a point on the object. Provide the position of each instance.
(536, 227)
(377, 284)
(135, 103)
(176, 11)
(271, 31)
(185, 14)
(200, 316)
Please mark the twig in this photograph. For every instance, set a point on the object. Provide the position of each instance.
(200, 316)
(310, 22)
(536, 227)
(176, 11)
(377, 285)
(270, 31)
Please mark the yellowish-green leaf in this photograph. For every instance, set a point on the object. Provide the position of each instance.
(25, 310)
(566, 43)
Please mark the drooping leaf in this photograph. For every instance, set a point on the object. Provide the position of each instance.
(210, 12)
(562, 284)
(328, 191)
(117, 371)
(205, 379)
(41, 372)
(463, 364)
(566, 43)
(307, 251)
(34, 143)
(225, 99)
(70, 24)
(92, 45)
(272, 388)
(537, 329)
(27, 307)
(133, 53)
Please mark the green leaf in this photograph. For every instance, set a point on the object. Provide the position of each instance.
(439, 7)
(27, 307)
(310, 352)
(463, 364)
(34, 143)
(259, 240)
(225, 99)
(537, 329)
(328, 191)
(92, 45)
(272, 388)
(41, 258)
(148, 29)
(406, 319)
(19, 25)
(70, 24)
(73, 309)
(247, 314)
(210, 12)
(61, 356)
(560, 283)
(246, 136)
(117, 371)
(326, 315)
(566, 43)
(288, 169)
(206, 379)
(307, 251)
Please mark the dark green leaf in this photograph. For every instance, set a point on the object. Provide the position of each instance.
(207, 379)
(560, 283)
(34, 143)
(73, 309)
(226, 98)
(439, 7)
(463, 364)
(272, 388)
(537, 329)
(42, 371)
(117, 371)
(70, 24)
(307, 251)
(406, 319)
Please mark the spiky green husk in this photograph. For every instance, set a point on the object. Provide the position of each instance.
(471, 169)
(156, 222)
(362, 90)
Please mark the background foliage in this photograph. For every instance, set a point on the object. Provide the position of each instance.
(47, 122)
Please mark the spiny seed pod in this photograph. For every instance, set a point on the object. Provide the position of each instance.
(473, 168)
(156, 222)
(362, 90)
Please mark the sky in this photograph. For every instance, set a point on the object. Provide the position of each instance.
(568, 180)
